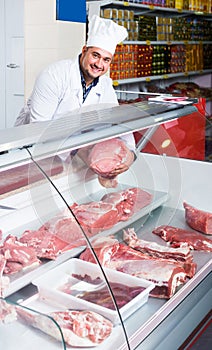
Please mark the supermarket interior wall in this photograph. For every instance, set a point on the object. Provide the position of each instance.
(46, 39)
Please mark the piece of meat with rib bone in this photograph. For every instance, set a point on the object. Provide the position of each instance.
(166, 274)
(182, 255)
(179, 237)
(198, 219)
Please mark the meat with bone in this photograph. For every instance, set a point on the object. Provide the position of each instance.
(18, 255)
(198, 219)
(79, 328)
(128, 201)
(166, 274)
(95, 217)
(179, 237)
(182, 255)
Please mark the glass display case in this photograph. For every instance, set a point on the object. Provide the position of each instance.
(70, 232)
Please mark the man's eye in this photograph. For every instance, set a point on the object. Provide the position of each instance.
(95, 55)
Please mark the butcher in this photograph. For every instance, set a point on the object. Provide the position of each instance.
(80, 83)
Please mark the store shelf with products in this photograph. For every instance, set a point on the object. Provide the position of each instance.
(151, 325)
(177, 42)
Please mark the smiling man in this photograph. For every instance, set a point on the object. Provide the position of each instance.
(70, 85)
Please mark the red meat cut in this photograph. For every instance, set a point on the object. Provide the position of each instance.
(105, 156)
(179, 237)
(181, 255)
(95, 217)
(166, 274)
(198, 219)
(128, 201)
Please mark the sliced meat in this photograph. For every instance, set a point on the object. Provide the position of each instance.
(180, 238)
(198, 219)
(79, 328)
(95, 217)
(180, 255)
(129, 201)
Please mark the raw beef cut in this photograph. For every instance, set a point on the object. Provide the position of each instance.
(179, 237)
(166, 274)
(106, 156)
(79, 328)
(182, 255)
(95, 217)
(198, 219)
(128, 202)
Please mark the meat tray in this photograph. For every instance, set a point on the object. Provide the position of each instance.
(16, 221)
(48, 286)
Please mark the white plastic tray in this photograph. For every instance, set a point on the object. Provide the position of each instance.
(48, 286)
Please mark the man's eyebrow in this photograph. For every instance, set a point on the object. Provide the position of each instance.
(105, 58)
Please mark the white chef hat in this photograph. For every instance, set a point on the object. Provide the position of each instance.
(105, 33)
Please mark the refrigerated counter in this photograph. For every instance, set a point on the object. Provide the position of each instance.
(43, 176)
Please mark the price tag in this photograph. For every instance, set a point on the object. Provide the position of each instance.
(148, 42)
(185, 42)
(115, 83)
(201, 71)
(126, 3)
(186, 74)
(148, 79)
(169, 43)
(179, 10)
(151, 7)
(165, 76)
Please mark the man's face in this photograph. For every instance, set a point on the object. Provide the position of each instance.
(94, 62)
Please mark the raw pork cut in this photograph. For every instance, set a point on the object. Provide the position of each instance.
(4, 280)
(95, 217)
(128, 201)
(45, 244)
(106, 156)
(18, 255)
(182, 255)
(65, 227)
(198, 219)
(179, 237)
(79, 328)
(166, 274)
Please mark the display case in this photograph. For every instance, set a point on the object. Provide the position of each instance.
(44, 178)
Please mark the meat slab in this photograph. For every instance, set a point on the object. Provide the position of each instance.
(166, 274)
(105, 156)
(198, 219)
(95, 217)
(179, 237)
(79, 328)
(181, 255)
(128, 201)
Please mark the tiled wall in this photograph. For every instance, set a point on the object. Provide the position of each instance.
(47, 40)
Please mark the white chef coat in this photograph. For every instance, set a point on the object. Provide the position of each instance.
(58, 91)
